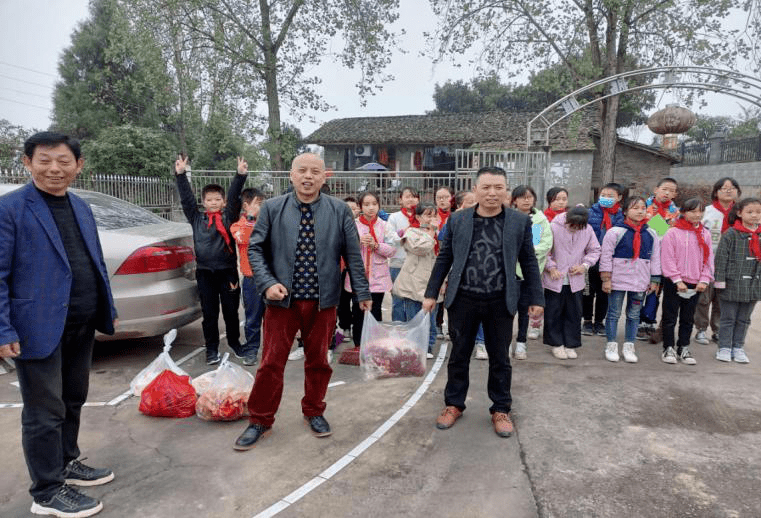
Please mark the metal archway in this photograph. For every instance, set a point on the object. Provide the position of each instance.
(728, 82)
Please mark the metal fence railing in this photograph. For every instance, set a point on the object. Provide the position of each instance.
(726, 151)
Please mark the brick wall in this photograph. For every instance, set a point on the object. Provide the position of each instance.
(636, 169)
(747, 174)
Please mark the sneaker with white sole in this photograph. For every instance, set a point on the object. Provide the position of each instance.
(68, 503)
(330, 356)
(724, 354)
(533, 333)
(481, 353)
(520, 351)
(669, 355)
(77, 474)
(559, 352)
(739, 356)
(627, 351)
(702, 338)
(611, 351)
(686, 358)
(571, 353)
(296, 354)
(429, 356)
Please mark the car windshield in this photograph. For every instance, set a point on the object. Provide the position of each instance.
(113, 213)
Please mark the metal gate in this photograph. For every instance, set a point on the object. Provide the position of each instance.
(522, 167)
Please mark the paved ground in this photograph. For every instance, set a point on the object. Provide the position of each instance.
(594, 439)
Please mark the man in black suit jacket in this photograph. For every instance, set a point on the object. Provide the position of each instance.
(480, 253)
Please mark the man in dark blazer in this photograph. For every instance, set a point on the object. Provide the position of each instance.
(54, 294)
(479, 254)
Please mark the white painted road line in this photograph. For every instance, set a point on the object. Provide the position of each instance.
(344, 461)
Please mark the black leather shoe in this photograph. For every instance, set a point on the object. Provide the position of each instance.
(319, 426)
(250, 436)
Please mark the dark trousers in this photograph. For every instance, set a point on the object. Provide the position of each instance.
(253, 305)
(675, 307)
(358, 316)
(595, 305)
(439, 316)
(465, 315)
(53, 390)
(344, 305)
(217, 287)
(523, 303)
(562, 318)
(280, 326)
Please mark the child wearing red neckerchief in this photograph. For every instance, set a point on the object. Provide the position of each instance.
(557, 202)
(687, 265)
(724, 194)
(738, 277)
(399, 222)
(444, 197)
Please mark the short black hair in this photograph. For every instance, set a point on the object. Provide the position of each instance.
(250, 194)
(692, 204)
(350, 199)
(577, 217)
(734, 212)
(720, 183)
(615, 186)
(491, 170)
(459, 198)
(412, 191)
(665, 180)
(553, 193)
(521, 191)
(424, 206)
(212, 187)
(631, 201)
(51, 139)
(367, 194)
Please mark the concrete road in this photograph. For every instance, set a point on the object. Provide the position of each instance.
(594, 439)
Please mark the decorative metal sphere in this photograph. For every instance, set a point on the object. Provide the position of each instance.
(671, 119)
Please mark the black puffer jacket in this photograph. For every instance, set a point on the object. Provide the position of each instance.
(212, 253)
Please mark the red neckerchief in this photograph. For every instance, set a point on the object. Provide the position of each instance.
(718, 206)
(755, 245)
(443, 216)
(663, 208)
(215, 218)
(414, 223)
(370, 223)
(637, 241)
(686, 225)
(606, 214)
(552, 213)
(409, 214)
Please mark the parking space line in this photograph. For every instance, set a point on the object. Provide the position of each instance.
(347, 459)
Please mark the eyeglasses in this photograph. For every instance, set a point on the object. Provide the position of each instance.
(728, 189)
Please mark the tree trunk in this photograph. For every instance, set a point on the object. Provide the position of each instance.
(273, 97)
(608, 137)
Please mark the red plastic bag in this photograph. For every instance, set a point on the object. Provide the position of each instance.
(169, 395)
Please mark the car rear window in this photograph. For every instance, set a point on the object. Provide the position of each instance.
(114, 214)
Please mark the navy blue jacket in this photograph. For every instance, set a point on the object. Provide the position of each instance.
(595, 220)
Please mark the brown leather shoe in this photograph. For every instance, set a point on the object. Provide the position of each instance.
(503, 424)
(448, 417)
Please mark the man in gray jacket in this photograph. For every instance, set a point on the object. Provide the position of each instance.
(295, 253)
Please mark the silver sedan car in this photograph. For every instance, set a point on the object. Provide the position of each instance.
(151, 266)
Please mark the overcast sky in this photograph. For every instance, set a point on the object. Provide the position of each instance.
(35, 32)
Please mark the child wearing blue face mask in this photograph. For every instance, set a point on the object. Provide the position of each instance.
(603, 215)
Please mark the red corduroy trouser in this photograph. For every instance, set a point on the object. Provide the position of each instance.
(280, 326)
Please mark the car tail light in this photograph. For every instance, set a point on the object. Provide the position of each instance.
(156, 258)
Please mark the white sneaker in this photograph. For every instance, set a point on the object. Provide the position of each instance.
(739, 356)
(686, 358)
(559, 353)
(481, 353)
(669, 355)
(520, 351)
(533, 333)
(611, 351)
(330, 356)
(296, 354)
(628, 353)
(571, 353)
(724, 354)
(702, 338)
(429, 355)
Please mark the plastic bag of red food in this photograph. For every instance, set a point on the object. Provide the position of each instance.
(161, 363)
(394, 349)
(168, 395)
(226, 398)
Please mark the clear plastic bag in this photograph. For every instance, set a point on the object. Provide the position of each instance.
(162, 362)
(394, 349)
(226, 397)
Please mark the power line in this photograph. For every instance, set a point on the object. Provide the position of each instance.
(27, 69)
(25, 104)
(27, 82)
(24, 93)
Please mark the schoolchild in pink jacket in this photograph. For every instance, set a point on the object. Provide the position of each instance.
(574, 250)
(375, 239)
(630, 267)
(687, 264)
